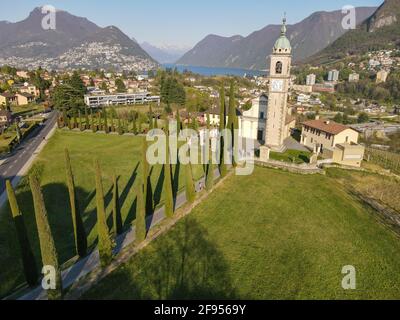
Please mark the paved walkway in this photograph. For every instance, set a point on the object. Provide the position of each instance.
(84, 266)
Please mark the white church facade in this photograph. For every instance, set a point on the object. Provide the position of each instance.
(253, 121)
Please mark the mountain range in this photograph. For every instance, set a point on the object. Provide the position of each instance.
(307, 37)
(75, 43)
(165, 53)
(380, 31)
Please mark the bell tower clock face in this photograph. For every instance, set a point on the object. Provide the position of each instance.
(277, 85)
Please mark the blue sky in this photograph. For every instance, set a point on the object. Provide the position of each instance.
(182, 22)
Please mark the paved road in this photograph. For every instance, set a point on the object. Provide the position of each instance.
(12, 164)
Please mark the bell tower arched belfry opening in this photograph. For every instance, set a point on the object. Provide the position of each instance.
(280, 65)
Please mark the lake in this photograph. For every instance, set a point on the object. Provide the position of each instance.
(208, 71)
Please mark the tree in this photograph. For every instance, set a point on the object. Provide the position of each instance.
(363, 118)
(232, 120)
(140, 222)
(178, 123)
(76, 82)
(135, 130)
(105, 243)
(222, 116)
(210, 167)
(47, 246)
(147, 191)
(87, 124)
(120, 85)
(106, 128)
(77, 223)
(338, 118)
(117, 219)
(168, 195)
(189, 184)
(28, 259)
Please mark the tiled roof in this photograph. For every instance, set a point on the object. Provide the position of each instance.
(327, 126)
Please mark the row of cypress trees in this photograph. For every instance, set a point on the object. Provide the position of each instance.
(105, 240)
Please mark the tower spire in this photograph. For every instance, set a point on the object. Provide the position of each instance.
(283, 29)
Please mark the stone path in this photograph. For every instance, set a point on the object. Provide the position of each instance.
(84, 266)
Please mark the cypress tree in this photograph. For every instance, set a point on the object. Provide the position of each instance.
(75, 121)
(79, 229)
(92, 122)
(178, 123)
(106, 128)
(99, 124)
(120, 129)
(168, 195)
(189, 184)
(151, 121)
(232, 119)
(105, 242)
(28, 259)
(222, 115)
(148, 197)
(112, 122)
(65, 117)
(155, 126)
(135, 131)
(87, 124)
(47, 247)
(140, 221)
(210, 167)
(117, 219)
(80, 122)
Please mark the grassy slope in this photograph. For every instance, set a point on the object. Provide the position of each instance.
(286, 239)
(121, 154)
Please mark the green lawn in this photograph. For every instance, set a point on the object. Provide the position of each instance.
(271, 235)
(115, 153)
(293, 156)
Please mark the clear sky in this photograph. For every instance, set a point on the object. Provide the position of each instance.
(182, 22)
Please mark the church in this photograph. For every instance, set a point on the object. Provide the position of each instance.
(269, 121)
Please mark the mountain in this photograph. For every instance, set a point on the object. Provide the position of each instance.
(307, 37)
(380, 31)
(164, 54)
(75, 43)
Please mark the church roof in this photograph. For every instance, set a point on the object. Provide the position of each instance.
(283, 42)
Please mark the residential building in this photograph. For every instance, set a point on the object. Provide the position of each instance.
(382, 76)
(335, 142)
(24, 98)
(354, 77)
(324, 87)
(302, 88)
(7, 98)
(311, 79)
(99, 100)
(5, 117)
(333, 76)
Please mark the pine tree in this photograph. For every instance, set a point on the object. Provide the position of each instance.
(79, 229)
(104, 238)
(189, 184)
(117, 219)
(47, 247)
(28, 259)
(140, 221)
(168, 195)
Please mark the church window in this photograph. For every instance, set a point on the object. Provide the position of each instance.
(278, 68)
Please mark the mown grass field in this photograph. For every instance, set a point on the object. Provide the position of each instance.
(119, 154)
(271, 235)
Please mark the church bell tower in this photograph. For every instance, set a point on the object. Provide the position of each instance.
(281, 60)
